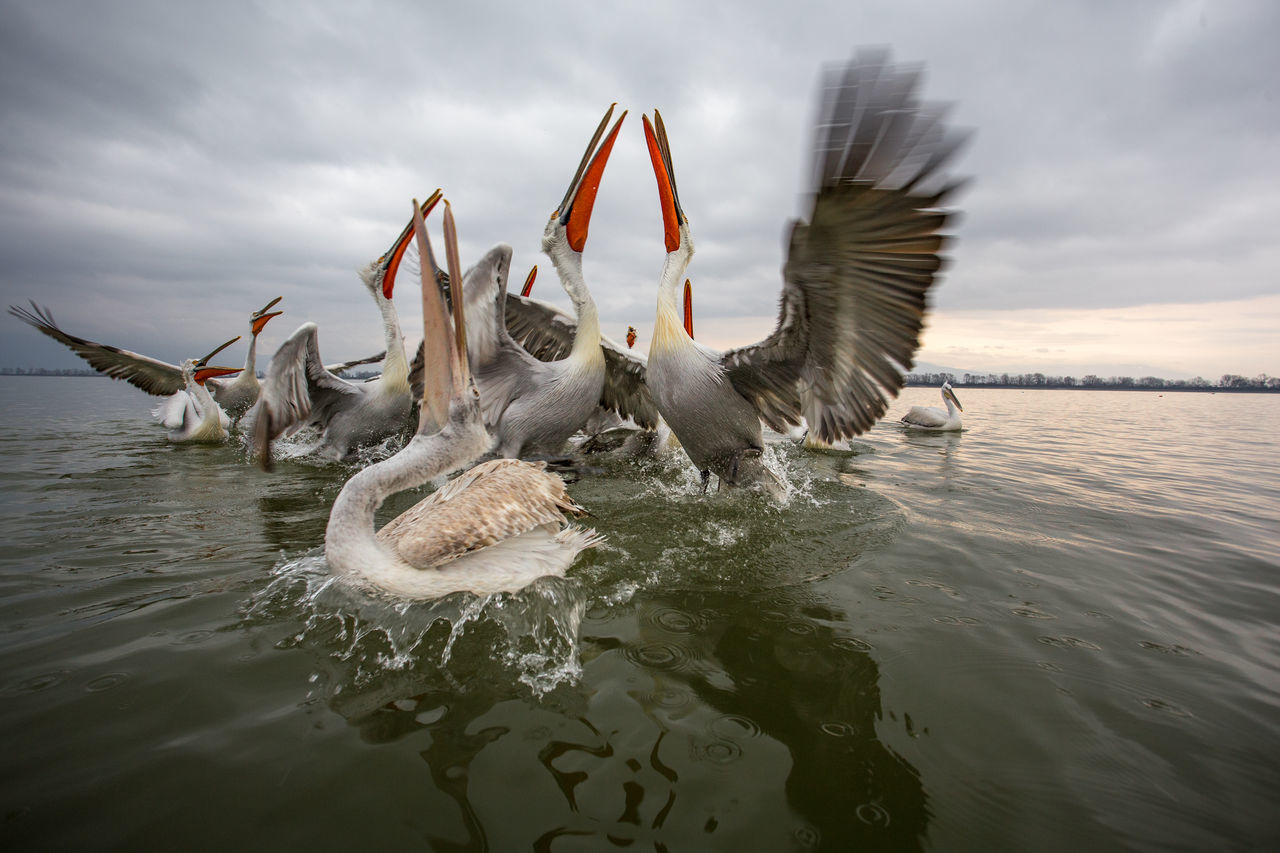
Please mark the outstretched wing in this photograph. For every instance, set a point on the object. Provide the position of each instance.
(339, 369)
(859, 271)
(296, 390)
(547, 332)
(154, 377)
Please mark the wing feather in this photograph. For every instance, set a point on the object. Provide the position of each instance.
(153, 376)
(296, 390)
(859, 270)
(547, 332)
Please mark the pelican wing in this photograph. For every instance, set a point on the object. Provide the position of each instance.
(154, 377)
(858, 272)
(296, 390)
(547, 332)
(489, 503)
(343, 367)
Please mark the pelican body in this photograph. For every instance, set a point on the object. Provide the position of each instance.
(855, 283)
(931, 417)
(533, 406)
(299, 390)
(496, 527)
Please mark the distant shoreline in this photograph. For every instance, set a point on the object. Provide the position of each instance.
(74, 373)
(1209, 389)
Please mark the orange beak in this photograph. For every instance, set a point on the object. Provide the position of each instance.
(205, 373)
(260, 322)
(391, 260)
(575, 209)
(688, 308)
(660, 155)
(528, 282)
(631, 336)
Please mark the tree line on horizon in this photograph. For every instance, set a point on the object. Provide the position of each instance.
(1228, 382)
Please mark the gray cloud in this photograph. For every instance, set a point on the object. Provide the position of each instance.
(165, 169)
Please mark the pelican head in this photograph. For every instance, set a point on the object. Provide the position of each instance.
(949, 394)
(199, 369)
(573, 215)
(380, 275)
(258, 319)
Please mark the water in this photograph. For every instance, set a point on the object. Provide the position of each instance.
(1055, 629)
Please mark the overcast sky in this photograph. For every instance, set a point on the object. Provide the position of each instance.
(167, 168)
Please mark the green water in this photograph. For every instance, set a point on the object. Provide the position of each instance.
(1055, 629)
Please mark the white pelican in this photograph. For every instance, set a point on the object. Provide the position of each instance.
(496, 527)
(202, 420)
(157, 377)
(298, 391)
(533, 406)
(931, 417)
(855, 282)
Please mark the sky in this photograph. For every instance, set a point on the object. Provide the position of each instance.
(167, 168)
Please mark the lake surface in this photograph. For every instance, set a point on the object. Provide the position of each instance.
(1056, 630)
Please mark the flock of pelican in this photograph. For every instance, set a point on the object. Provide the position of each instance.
(501, 378)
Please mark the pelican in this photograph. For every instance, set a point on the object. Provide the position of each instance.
(931, 417)
(496, 527)
(157, 377)
(533, 406)
(854, 283)
(298, 391)
(201, 420)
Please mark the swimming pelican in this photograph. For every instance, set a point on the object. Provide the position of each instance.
(931, 417)
(298, 391)
(496, 527)
(201, 419)
(855, 281)
(152, 375)
(533, 406)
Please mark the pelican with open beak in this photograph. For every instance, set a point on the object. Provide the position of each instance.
(542, 374)
(496, 527)
(855, 282)
(299, 390)
(152, 375)
(201, 419)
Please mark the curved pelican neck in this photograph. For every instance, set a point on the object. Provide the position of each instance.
(568, 265)
(668, 328)
(395, 367)
(350, 540)
(249, 376)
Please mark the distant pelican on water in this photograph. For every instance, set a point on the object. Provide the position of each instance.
(931, 417)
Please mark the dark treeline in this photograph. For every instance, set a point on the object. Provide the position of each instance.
(1228, 382)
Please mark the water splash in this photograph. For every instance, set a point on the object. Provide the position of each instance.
(532, 633)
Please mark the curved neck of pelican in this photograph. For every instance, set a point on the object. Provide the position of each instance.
(351, 544)
(668, 326)
(395, 369)
(204, 400)
(249, 376)
(568, 264)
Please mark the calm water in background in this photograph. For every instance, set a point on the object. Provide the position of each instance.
(1054, 629)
